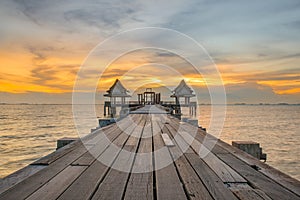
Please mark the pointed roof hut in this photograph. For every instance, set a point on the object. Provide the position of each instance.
(117, 90)
(182, 90)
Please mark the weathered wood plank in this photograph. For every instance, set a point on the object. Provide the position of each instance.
(58, 184)
(220, 150)
(189, 177)
(88, 182)
(225, 172)
(245, 192)
(83, 187)
(212, 182)
(18, 176)
(220, 147)
(50, 158)
(32, 183)
(167, 141)
(37, 180)
(192, 183)
(180, 142)
(116, 178)
(168, 184)
(100, 142)
(140, 184)
(283, 179)
(257, 179)
(46, 160)
(85, 160)
(198, 134)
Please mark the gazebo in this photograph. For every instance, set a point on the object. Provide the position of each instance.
(117, 94)
(184, 91)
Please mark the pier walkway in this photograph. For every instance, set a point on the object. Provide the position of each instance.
(191, 171)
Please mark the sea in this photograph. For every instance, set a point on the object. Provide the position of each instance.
(28, 132)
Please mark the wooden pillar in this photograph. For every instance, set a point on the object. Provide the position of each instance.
(113, 111)
(177, 100)
(139, 98)
(153, 98)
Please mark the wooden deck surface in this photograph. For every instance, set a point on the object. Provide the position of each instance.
(224, 173)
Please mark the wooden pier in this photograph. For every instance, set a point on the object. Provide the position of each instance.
(118, 98)
(224, 173)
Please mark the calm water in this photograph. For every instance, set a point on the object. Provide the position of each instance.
(28, 132)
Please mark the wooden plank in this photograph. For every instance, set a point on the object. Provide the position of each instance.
(46, 160)
(212, 182)
(198, 134)
(116, 178)
(168, 184)
(18, 176)
(31, 184)
(140, 184)
(182, 172)
(192, 183)
(37, 180)
(257, 179)
(283, 179)
(86, 185)
(244, 192)
(225, 172)
(101, 142)
(220, 147)
(181, 143)
(58, 184)
(217, 144)
(85, 160)
(168, 142)
(50, 158)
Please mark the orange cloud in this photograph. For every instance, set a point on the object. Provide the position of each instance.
(283, 86)
(55, 72)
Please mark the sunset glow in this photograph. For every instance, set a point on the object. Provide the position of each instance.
(42, 51)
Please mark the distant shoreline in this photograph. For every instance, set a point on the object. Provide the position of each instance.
(207, 104)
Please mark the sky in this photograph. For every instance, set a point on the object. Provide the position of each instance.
(254, 45)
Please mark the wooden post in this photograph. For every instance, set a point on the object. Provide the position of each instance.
(64, 141)
(251, 148)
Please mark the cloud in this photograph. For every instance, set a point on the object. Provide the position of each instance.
(252, 41)
(256, 93)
